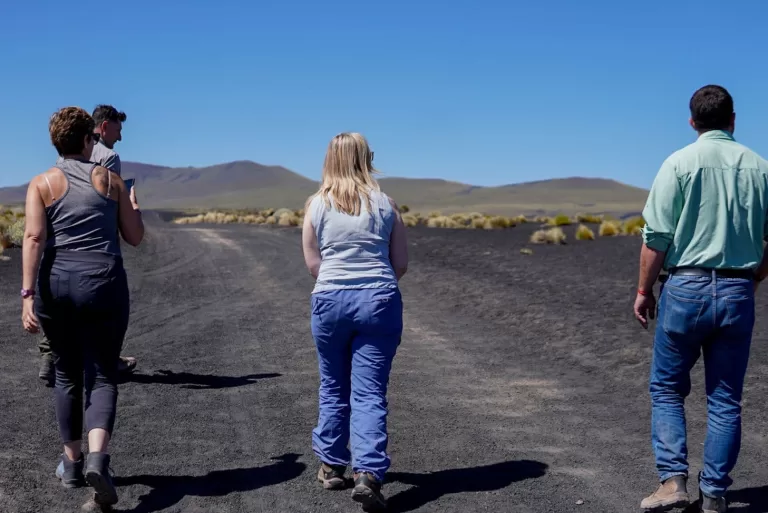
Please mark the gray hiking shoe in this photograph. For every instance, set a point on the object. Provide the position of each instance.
(672, 493)
(71, 472)
(367, 492)
(712, 504)
(98, 476)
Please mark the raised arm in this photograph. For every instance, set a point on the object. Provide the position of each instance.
(35, 235)
(130, 221)
(398, 243)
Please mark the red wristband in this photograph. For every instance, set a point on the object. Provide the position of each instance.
(643, 292)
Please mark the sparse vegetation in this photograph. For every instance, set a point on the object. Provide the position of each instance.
(633, 226)
(549, 236)
(526, 251)
(583, 232)
(609, 228)
(560, 220)
(589, 219)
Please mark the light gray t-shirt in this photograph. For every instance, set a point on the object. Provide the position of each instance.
(103, 156)
(354, 250)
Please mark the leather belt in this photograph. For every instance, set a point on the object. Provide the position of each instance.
(746, 274)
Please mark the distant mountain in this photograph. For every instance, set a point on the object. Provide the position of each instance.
(245, 184)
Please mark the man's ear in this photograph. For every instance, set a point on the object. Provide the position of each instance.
(693, 124)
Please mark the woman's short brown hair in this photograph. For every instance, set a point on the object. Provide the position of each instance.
(68, 128)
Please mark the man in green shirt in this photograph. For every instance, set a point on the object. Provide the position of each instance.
(705, 225)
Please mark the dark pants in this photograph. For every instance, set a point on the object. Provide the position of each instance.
(83, 306)
(699, 314)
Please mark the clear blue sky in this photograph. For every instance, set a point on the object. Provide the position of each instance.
(485, 92)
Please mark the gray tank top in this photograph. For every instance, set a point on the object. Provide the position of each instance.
(83, 219)
(354, 250)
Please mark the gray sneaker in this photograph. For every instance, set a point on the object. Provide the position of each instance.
(98, 476)
(71, 472)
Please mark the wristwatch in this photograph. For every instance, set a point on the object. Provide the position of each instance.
(25, 293)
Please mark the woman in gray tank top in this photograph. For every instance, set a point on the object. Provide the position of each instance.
(74, 287)
(355, 247)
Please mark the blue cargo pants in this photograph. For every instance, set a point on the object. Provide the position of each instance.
(357, 333)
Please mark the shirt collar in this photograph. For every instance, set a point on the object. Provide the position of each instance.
(717, 134)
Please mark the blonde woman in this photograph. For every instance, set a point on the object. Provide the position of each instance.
(355, 247)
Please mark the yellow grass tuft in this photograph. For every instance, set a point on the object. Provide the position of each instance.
(410, 220)
(633, 226)
(478, 223)
(551, 236)
(526, 251)
(271, 220)
(442, 222)
(404, 209)
(560, 220)
(495, 222)
(288, 219)
(609, 228)
(589, 218)
(583, 232)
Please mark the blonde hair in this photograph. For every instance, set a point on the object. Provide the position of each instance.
(348, 174)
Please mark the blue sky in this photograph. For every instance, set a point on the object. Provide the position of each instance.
(484, 92)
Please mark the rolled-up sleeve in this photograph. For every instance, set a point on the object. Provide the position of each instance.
(662, 208)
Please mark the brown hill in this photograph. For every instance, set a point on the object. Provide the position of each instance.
(245, 184)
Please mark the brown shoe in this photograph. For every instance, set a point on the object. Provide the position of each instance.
(368, 492)
(672, 493)
(332, 476)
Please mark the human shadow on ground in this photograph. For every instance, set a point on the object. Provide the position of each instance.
(755, 500)
(197, 381)
(427, 488)
(167, 491)
(746, 500)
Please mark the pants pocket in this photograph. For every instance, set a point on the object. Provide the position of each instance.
(682, 311)
(740, 311)
(385, 312)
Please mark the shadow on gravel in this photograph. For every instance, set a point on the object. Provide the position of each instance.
(167, 491)
(427, 488)
(755, 500)
(197, 381)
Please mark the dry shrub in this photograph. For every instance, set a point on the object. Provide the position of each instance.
(609, 229)
(526, 251)
(462, 219)
(271, 220)
(230, 218)
(583, 232)
(442, 222)
(633, 226)
(404, 209)
(589, 218)
(267, 212)
(288, 219)
(410, 220)
(542, 220)
(12, 233)
(477, 223)
(435, 213)
(550, 236)
(496, 222)
(252, 219)
(520, 219)
(560, 220)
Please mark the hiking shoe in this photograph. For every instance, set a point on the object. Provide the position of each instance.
(97, 475)
(71, 472)
(672, 493)
(47, 371)
(712, 504)
(126, 365)
(332, 476)
(368, 492)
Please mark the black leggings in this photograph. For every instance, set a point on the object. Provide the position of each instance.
(83, 306)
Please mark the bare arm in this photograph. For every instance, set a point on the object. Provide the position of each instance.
(398, 244)
(35, 234)
(651, 261)
(309, 245)
(130, 221)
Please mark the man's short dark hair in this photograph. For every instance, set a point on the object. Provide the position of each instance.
(711, 108)
(104, 113)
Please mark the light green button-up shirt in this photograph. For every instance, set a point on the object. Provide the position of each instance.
(708, 204)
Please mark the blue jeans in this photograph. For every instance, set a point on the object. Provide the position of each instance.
(699, 314)
(357, 333)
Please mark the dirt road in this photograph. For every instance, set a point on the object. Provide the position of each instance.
(520, 385)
